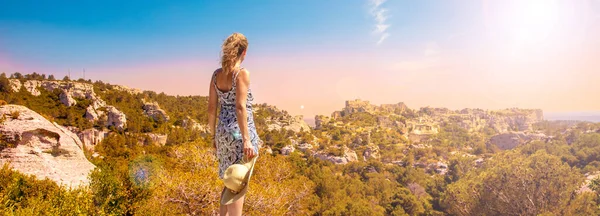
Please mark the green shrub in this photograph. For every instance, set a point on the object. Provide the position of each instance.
(25, 195)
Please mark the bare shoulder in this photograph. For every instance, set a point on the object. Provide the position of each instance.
(214, 75)
(245, 72)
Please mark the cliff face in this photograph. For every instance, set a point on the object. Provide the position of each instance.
(34, 145)
(501, 121)
(354, 106)
(472, 120)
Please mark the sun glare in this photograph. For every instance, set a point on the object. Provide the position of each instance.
(523, 25)
(532, 21)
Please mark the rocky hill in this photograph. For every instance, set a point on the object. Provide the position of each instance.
(358, 127)
(34, 143)
(276, 119)
(70, 90)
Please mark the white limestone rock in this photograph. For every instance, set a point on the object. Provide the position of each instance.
(15, 85)
(42, 148)
(67, 99)
(154, 111)
(116, 118)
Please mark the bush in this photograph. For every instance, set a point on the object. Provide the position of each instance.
(25, 195)
(513, 184)
(191, 186)
(15, 114)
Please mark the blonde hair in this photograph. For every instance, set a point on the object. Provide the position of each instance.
(232, 50)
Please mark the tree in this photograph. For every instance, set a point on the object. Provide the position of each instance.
(513, 184)
(4, 83)
(34, 76)
(51, 77)
(17, 75)
(66, 78)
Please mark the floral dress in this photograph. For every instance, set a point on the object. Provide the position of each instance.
(228, 136)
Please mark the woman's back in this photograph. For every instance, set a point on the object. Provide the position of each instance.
(226, 87)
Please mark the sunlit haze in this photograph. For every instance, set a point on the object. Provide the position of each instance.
(308, 57)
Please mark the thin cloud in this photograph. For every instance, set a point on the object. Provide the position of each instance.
(382, 38)
(380, 16)
(380, 28)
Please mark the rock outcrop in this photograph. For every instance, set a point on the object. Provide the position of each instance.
(32, 87)
(275, 127)
(92, 137)
(158, 139)
(190, 123)
(355, 106)
(154, 111)
(92, 114)
(116, 118)
(305, 147)
(297, 124)
(67, 99)
(132, 91)
(348, 155)
(41, 148)
(15, 85)
(280, 119)
(287, 150)
(321, 120)
(439, 167)
(372, 152)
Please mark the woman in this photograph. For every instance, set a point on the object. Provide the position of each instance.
(235, 136)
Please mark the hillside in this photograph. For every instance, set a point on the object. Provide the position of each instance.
(148, 154)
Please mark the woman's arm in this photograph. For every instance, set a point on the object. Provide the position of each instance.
(243, 81)
(212, 109)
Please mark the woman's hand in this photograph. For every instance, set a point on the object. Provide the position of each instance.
(248, 149)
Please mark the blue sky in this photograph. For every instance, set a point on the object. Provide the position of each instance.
(139, 30)
(56, 33)
(319, 53)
